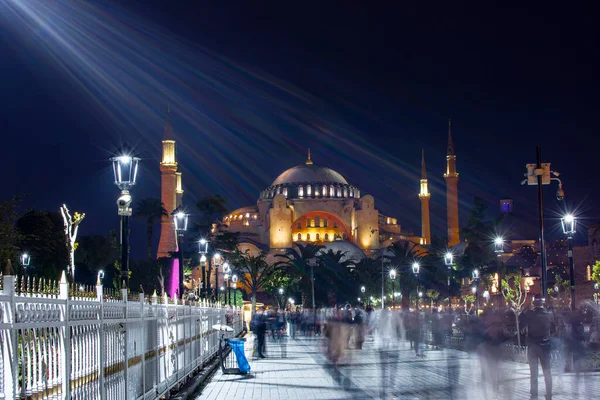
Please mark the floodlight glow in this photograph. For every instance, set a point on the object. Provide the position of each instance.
(392, 274)
(448, 258)
(568, 224)
(416, 267)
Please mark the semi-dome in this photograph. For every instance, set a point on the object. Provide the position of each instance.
(309, 173)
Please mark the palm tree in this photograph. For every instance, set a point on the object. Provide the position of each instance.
(212, 207)
(151, 210)
(253, 271)
(301, 259)
(335, 271)
(404, 254)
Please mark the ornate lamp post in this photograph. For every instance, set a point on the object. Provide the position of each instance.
(449, 261)
(226, 275)
(234, 279)
(568, 226)
(280, 300)
(393, 278)
(100, 277)
(415, 269)
(203, 250)
(596, 289)
(475, 291)
(125, 170)
(181, 220)
(25, 260)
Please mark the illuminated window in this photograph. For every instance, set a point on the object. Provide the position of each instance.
(335, 224)
(299, 225)
(351, 192)
(308, 223)
(331, 191)
(357, 193)
(316, 190)
(285, 192)
(312, 223)
(588, 273)
(308, 236)
(324, 190)
(317, 221)
(278, 190)
(325, 223)
(317, 237)
(300, 191)
(339, 192)
(308, 190)
(326, 237)
(299, 236)
(345, 192)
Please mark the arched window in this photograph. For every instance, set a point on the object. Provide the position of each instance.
(324, 190)
(345, 192)
(339, 192)
(357, 193)
(351, 193)
(308, 190)
(326, 237)
(299, 236)
(317, 237)
(335, 224)
(299, 225)
(325, 223)
(588, 273)
(285, 192)
(331, 191)
(300, 191)
(308, 237)
(278, 189)
(317, 221)
(308, 223)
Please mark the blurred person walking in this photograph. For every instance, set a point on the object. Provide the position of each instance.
(540, 324)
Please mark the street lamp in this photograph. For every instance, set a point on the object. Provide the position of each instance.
(499, 245)
(125, 171)
(596, 289)
(449, 261)
(475, 291)
(203, 250)
(226, 278)
(393, 278)
(25, 260)
(568, 226)
(384, 261)
(415, 269)
(100, 277)
(180, 220)
(418, 298)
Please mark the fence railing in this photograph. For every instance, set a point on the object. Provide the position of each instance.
(61, 344)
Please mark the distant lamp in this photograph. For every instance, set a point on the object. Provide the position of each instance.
(125, 170)
(362, 289)
(234, 278)
(25, 259)
(280, 291)
(415, 267)
(203, 259)
(499, 245)
(448, 259)
(100, 277)
(226, 268)
(222, 288)
(181, 221)
(486, 295)
(475, 274)
(474, 289)
(291, 300)
(393, 274)
(568, 224)
(203, 247)
(420, 294)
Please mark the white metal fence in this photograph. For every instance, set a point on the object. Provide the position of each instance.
(57, 344)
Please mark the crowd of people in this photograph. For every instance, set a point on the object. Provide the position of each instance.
(570, 335)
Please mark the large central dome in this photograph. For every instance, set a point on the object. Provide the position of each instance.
(309, 173)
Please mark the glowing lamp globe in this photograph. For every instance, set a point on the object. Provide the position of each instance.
(448, 259)
(475, 274)
(415, 268)
(180, 219)
(393, 274)
(125, 170)
(25, 259)
(362, 289)
(568, 224)
(499, 245)
(203, 246)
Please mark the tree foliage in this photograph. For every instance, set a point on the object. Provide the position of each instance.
(253, 271)
(150, 210)
(9, 235)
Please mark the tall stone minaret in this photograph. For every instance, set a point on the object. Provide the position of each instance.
(451, 177)
(169, 185)
(424, 196)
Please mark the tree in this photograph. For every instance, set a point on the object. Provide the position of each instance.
(253, 271)
(95, 253)
(469, 299)
(404, 254)
(432, 295)
(41, 236)
(9, 236)
(516, 296)
(151, 210)
(334, 271)
(211, 207)
(298, 259)
(596, 273)
(560, 293)
(281, 279)
(71, 224)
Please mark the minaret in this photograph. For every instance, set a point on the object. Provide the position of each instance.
(451, 177)
(168, 189)
(178, 190)
(424, 196)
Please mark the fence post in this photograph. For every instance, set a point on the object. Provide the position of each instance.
(101, 342)
(143, 345)
(125, 344)
(10, 363)
(66, 338)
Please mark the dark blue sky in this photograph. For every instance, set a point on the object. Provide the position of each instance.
(366, 87)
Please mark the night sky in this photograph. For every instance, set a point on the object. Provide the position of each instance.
(252, 85)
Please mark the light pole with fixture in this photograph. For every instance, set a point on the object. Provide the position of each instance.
(125, 171)
(393, 279)
(234, 280)
(203, 250)
(499, 249)
(384, 262)
(596, 289)
(540, 174)
(226, 272)
(181, 220)
(568, 226)
(449, 261)
(415, 269)
(100, 277)
(475, 290)
(25, 261)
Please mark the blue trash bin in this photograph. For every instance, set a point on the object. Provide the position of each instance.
(237, 346)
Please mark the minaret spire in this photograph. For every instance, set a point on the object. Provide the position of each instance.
(424, 196)
(450, 143)
(451, 177)
(309, 161)
(170, 189)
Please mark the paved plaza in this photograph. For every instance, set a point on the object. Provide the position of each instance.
(305, 373)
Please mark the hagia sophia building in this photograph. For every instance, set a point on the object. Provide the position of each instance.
(311, 203)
